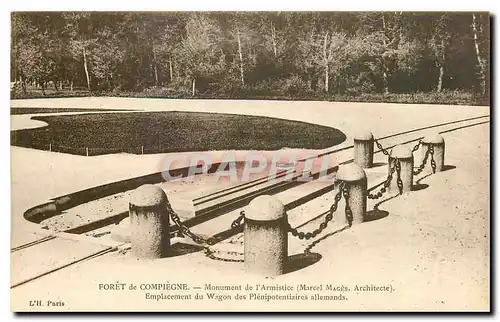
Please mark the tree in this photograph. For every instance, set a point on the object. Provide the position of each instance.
(107, 58)
(167, 39)
(270, 53)
(384, 46)
(79, 28)
(436, 30)
(199, 52)
(323, 50)
(479, 34)
(37, 49)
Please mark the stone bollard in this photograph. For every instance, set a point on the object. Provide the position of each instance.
(437, 142)
(355, 182)
(149, 222)
(363, 149)
(266, 237)
(405, 157)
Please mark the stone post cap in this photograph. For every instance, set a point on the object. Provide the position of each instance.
(401, 152)
(351, 172)
(147, 195)
(265, 208)
(363, 136)
(433, 139)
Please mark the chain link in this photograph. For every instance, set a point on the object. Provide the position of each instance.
(415, 148)
(424, 162)
(328, 218)
(238, 221)
(185, 231)
(430, 151)
(384, 151)
(433, 162)
(348, 211)
(386, 183)
(399, 181)
(211, 254)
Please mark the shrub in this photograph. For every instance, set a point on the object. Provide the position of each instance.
(294, 86)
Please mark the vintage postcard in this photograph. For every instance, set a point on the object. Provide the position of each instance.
(250, 161)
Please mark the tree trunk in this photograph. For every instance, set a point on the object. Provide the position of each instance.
(170, 67)
(43, 88)
(440, 79)
(23, 83)
(384, 67)
(273, 37)
(480, 61)
(55, 85)
(327, 85)
(194, 86)
(325, 57)
(86, 68)
(155, 65)
(385, 81)
(241, 60)
(71, 86)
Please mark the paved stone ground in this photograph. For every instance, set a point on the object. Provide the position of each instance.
(433, 247)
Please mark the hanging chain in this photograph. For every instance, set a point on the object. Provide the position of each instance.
(348, 210)
(396, 167)
(433, 162)
(384, 151)
(211, 254)
(399, 181)
(386, 183)
(415, 148)
(424, 162)
(430, 151)
(328, 218)
(238, 221)
(185, 231)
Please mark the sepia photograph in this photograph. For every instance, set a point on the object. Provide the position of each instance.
(250, 161)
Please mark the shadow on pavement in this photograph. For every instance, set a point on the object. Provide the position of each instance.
(300, 261)
(375, 214)
(179, 249)
(314, 243)
(448, 167)
(419, 186)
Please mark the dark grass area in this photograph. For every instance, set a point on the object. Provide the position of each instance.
(160, 132)
(39, 110)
